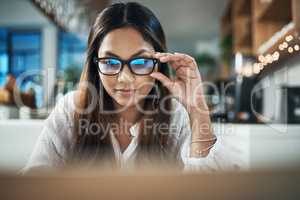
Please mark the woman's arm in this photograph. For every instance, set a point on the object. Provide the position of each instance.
(187, 88)
(227, 152)
(202, 139)
(200, 149)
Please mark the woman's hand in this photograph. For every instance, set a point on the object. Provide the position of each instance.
(187, 88)
(187, 85)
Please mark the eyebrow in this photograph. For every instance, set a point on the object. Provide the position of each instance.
(109, 53)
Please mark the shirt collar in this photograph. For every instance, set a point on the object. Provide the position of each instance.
(134, 129)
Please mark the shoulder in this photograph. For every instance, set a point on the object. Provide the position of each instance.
(56, 137)
(60, 121)
(66, 102)
(65, 107)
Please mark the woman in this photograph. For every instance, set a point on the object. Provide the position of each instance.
(128, 110)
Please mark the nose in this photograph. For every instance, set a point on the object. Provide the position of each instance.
(126, 75)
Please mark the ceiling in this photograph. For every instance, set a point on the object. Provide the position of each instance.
(191, 25)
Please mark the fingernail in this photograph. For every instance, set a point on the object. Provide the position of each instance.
(163, 58)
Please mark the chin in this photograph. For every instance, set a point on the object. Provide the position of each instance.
(125, 102)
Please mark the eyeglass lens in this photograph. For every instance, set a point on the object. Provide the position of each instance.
(140, 66)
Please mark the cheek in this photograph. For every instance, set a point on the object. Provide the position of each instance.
(108, 83)
(144, 85)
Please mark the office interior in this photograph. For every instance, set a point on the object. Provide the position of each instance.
(248, 49)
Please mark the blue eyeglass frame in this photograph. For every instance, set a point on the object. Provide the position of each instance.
(123, 62)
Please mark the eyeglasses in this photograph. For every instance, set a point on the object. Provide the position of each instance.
(113, 66)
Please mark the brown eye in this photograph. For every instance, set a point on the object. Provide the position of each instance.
(142, 66)
(109, 66)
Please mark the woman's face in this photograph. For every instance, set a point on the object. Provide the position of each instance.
(126, 43)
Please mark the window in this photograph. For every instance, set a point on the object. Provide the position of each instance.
(71, 55)
(71, 51)
(25, 52)
(3, 56)
(20, 51)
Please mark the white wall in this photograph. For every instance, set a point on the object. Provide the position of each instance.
(250, 146)
(17, 140)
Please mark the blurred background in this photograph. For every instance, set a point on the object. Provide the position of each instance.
(247, 52)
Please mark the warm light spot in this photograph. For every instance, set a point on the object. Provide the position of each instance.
(290, 50)
(261, 58)
(281, 47)
(269, 58)
(276, 56)
(256, 68)
(247, 71)
(296, 47)
(285, 45)
(289, 38)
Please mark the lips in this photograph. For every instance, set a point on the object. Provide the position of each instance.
(125, 92)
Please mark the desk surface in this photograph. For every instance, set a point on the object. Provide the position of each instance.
(156, 185)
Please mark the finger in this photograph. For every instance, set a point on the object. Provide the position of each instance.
(192, 71)
(167, 57)
(160, 54)
(167, 82)
(189, 60)
(173, 64)
(177, 65)
(178, 61)
(186, 57)
(151, 53)
(182, 71)
(185, 74)
(181, 63)
(175, 61)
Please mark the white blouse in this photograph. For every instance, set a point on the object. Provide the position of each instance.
(56, 136)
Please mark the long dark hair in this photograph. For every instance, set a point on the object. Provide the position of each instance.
(153, 142)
